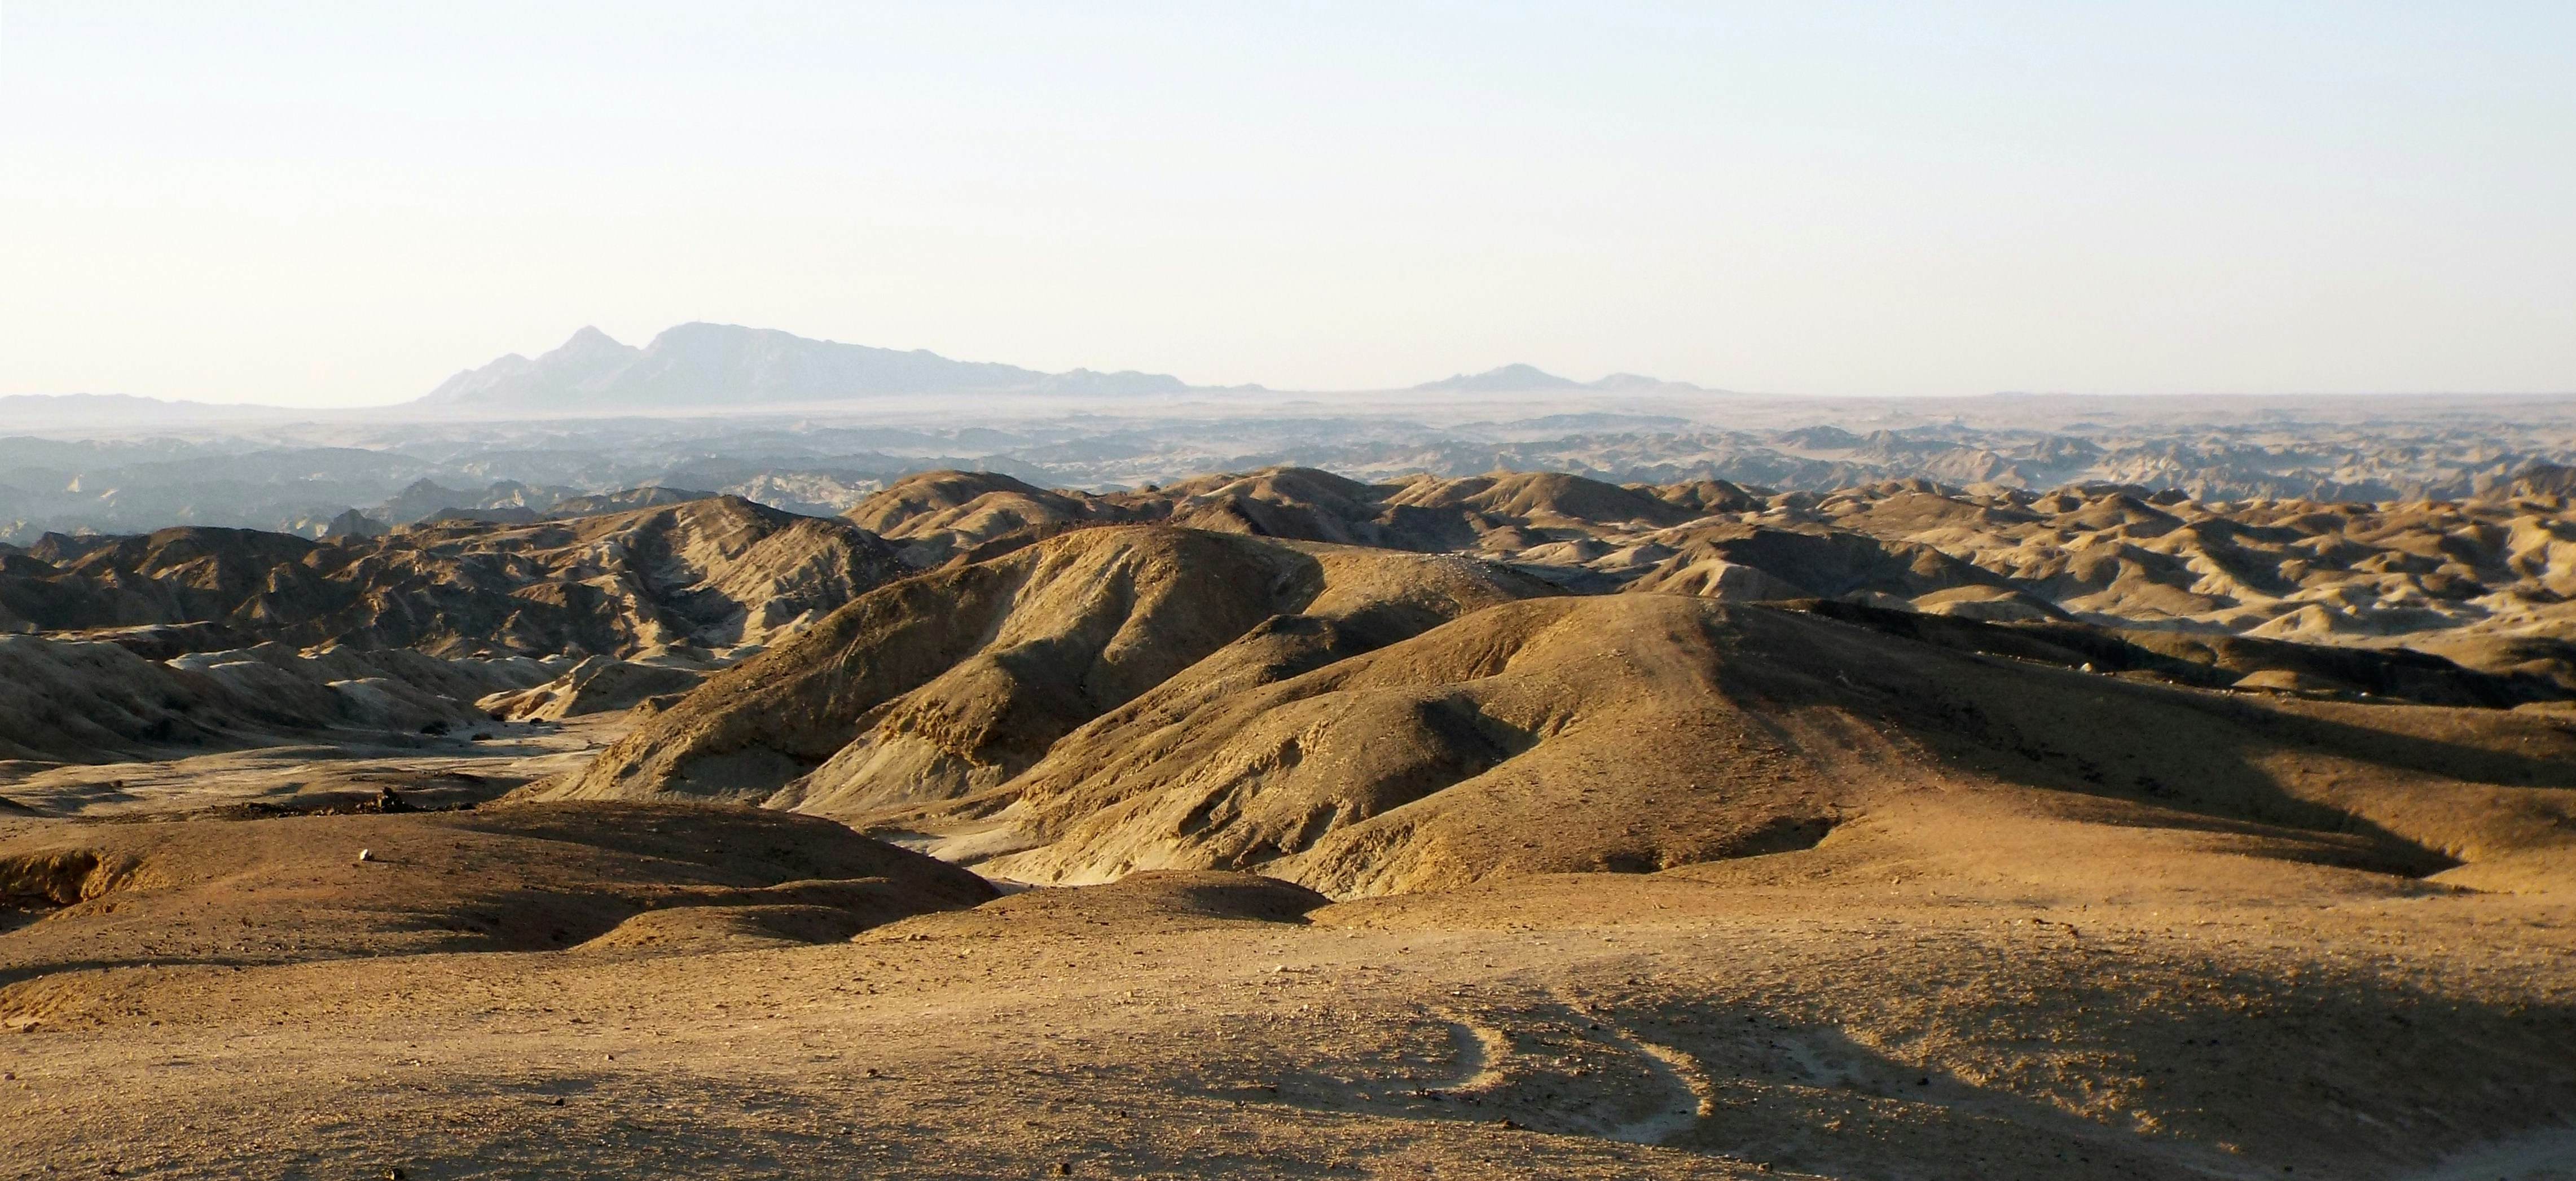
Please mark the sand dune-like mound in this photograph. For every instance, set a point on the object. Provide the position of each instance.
(501, 878)
(1367, 721)
(1639, 733)
(935, 516)
(955, 680)
(708, 581)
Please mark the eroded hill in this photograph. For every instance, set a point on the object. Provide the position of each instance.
(1363, 722)
(2431, 572)
(1482, 827)
(713, 573)
(192, 639)
(2454, 603)
(955, 679)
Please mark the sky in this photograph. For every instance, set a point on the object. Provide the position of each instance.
(343, 203)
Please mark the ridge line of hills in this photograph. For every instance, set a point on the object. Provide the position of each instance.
(1668, 829)
(607, 600)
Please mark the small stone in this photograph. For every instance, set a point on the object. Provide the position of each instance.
(366, 854)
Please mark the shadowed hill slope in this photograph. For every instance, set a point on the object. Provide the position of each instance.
(1366, 721)
(515, 878)
(958, 678)
(1045, 610)
(1638, 733)
(96, 702)
(715, 572)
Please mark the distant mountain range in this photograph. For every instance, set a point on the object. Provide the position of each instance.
(729, 365)
(1513, 379)
(725, 365)
(26, 410)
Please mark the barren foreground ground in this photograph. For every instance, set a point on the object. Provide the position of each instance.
(2055, 999)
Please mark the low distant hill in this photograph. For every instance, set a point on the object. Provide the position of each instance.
(729, 365)
(23, 410)
(1516, 378)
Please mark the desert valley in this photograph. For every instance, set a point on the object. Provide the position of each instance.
(1278, 823)
(795, 590)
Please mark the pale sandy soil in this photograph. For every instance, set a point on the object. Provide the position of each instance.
(1787, 1013)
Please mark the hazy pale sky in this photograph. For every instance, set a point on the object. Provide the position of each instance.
(342, 203)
